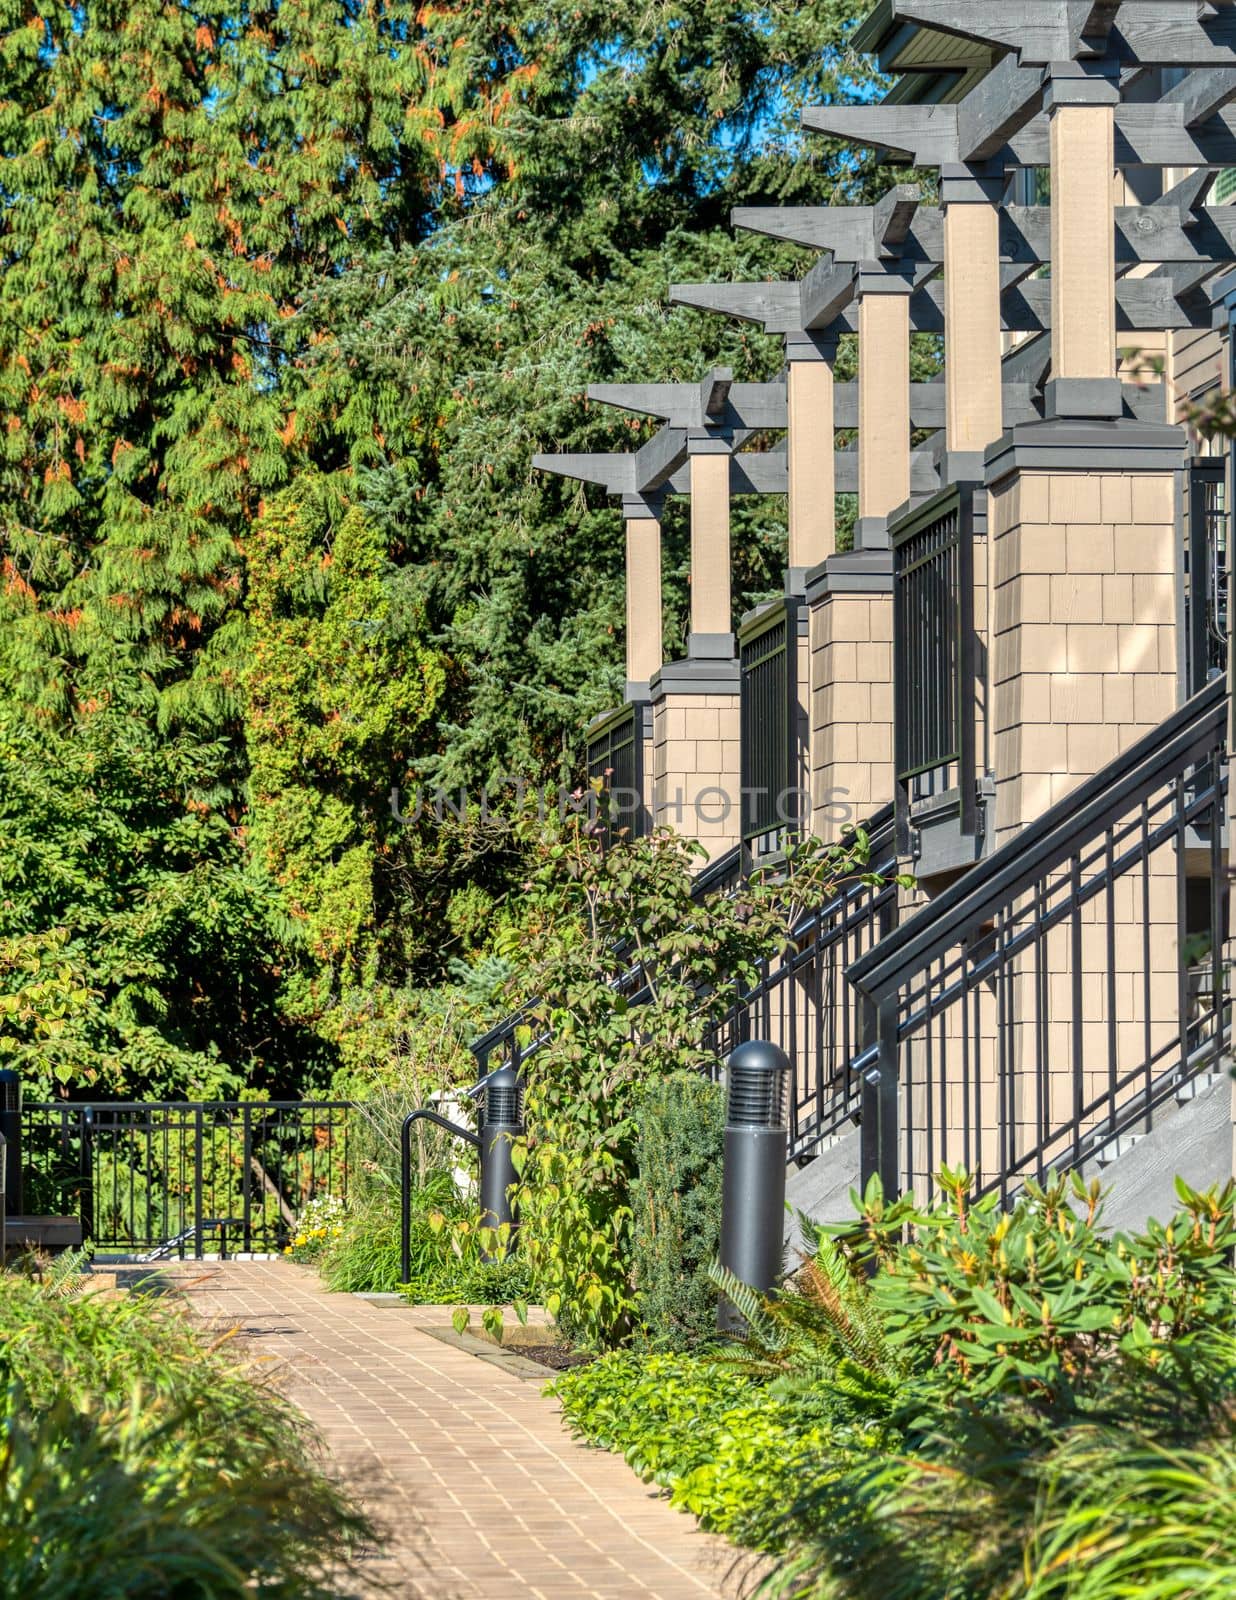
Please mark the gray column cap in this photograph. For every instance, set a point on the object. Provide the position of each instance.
(1090, 446)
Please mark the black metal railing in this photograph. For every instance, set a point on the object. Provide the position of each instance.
(1206, 573)
(802, 1001)
(616, 761)
(1055, 997)
(768, 754)
(141, 1174)
(934, 646)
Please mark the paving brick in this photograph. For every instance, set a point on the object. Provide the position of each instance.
(466, 1470)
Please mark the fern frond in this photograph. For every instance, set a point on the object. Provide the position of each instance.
(758, 1313)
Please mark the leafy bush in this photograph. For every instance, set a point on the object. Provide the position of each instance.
(1039, 1298)
(594, 913)
(137, 1459)
(733, 1450)
(1025, 1499)
(1012, 1407)
(676, 1210)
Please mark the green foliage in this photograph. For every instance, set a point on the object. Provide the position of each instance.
(1129, 1514)
(928, 1463)
(734, 1451)
(138, 950)
(676, 1210)
(135, 1458)
(1038, 1297)
(593, 913)
(334, 692)
(291, 299)
(1028, 1499)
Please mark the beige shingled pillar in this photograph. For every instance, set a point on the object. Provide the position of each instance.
(973, 393)
(644, 643)
(883, 403)
(1082, 115)
(711, 624)
(696, 788)
(810, 445)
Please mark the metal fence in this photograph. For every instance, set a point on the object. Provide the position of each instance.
(1051, 1001)
(934, 655)
(616, 759)
(146, 1175)
(1206, 573)
(768, 667)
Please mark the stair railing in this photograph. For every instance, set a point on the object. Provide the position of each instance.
(1050, 1001)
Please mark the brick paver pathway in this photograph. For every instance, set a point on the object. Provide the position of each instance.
(466, 1469)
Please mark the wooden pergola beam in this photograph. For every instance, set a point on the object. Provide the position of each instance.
(767, 408)
(1143, 305)
(1152, 33)
(1148, 235)
(1001, 123)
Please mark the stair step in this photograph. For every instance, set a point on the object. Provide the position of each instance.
(1198, 1086)
(1117, 1147)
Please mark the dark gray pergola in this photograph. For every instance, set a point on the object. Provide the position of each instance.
(1186, 33)
(1178, 230)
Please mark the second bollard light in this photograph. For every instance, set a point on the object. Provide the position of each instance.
(503, 1123)
(753, 1178)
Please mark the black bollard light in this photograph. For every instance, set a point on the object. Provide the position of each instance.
(4, 1248)
(10, 1127)
(753, 1177)
(503, 1123)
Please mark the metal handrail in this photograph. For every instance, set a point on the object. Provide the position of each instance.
(968, 991)
(1039, 846)
(422, 1114)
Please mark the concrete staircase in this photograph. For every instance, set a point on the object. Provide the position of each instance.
(1192, 1137)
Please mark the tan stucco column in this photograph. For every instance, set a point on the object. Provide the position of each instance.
(642, 519)
(973, 345)
(850, 610)
(1081, 111)
(1082, 521)
(883, 403)
(810, 443)
(711, 621)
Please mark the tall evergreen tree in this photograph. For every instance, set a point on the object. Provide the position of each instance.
(292, 295)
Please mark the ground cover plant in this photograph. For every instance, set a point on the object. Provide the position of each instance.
(140, 1458)
(957, 1403)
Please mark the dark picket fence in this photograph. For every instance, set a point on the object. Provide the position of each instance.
(184, 1177)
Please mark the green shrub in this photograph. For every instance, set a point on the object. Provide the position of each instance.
(676, 1210)
(1014, 1407)
(1120, 1494)
(591, 911)
(735, 1451)
(137, 1459)
(364, 1257)
(1039, 1298)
